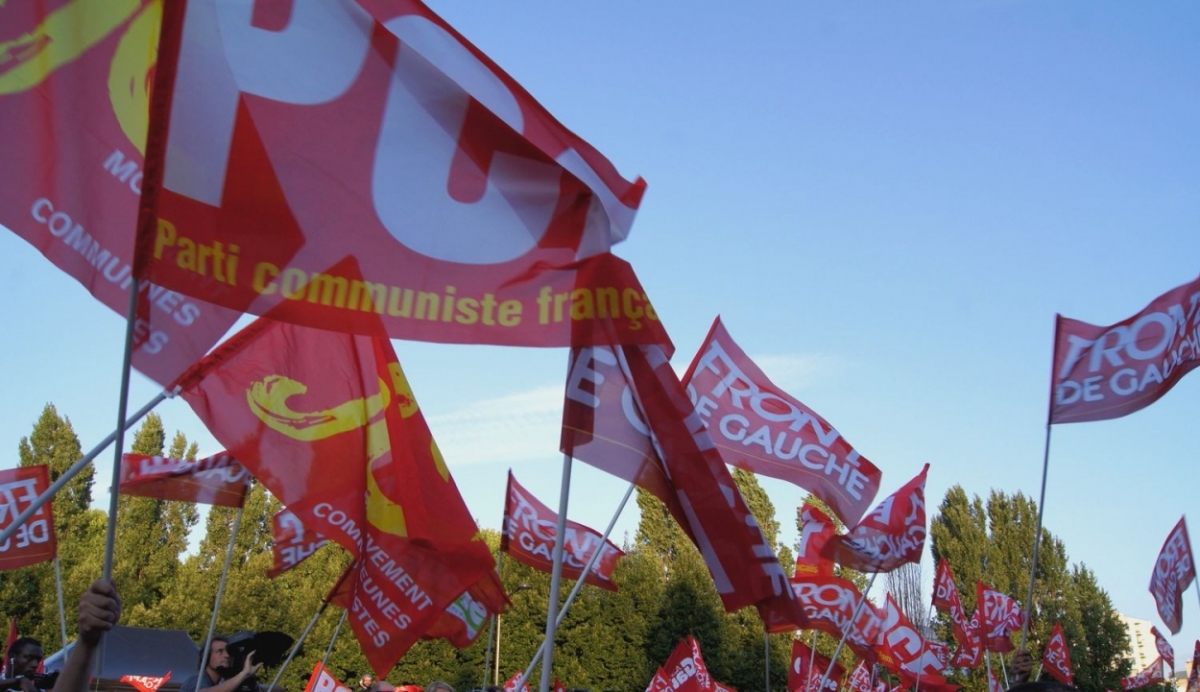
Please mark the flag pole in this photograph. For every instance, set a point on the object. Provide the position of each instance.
(336, 631)
(62, 613)
(487, 656)
(1037, 538)
(212, 622)
(812, 657)
(114, 493)
(74, 470)
(767, 659)
(1004, 671)
(560, 534)
(587, 569)
(296, 647)
(845, 633)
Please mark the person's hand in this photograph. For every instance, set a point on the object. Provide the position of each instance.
(99, 611)
(250, 667)
(1022, 666)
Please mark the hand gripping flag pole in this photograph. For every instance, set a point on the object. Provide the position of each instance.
(846, 633)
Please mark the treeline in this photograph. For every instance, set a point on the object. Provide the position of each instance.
(608, 641)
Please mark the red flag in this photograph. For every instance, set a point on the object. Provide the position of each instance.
(630, 398)
(994, 684)
(891, 535)
(969, 653)
(464, 620)
(762, 429)
(946, 599)
(33, 541)
(860, 679)
(1164, 648)
(685, 668)
(829, 604)
(722, 688)
(528, 535)
(902, 649)
(1056, 657)
(215, 480)
(1109, 372)
(145, 683)
(1149, 675)
(808, 667)
(1174, 571)
(816, 530)
(659, 683)
(71, 174)
(999, 616)
(322, 681)
(472, 214)
(1193, 683)
(290, 543)
(512, 684)
(945, 591)
(302, 409)
(558, 686)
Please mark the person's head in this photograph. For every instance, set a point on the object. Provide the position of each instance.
(439, 686)
(366, 681)
(24, 656)
(219, 658)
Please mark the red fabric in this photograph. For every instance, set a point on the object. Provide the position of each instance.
(685, 668)
(815, 531)
(760, 428)
(322, 681)
(1149, 675)
(860, 679)
(630, 398)
(1109, 372)
(1164, 648)
(1193, 682)
(33, 541)
(528, 535)
(808, 667)
(302, 409)
(290, 543)
(902, 649)
(512, 684)
(215, 480)
(1174, 571)
(145, 683)
(659, 683)
(969, 653)
(891, 535)
(829, 604)
(1056, 656)
(464, 619)
(72, 169)
(999, 616)
(966, 633)
(994, 684)
(506, 224)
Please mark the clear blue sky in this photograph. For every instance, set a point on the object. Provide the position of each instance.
(887, 203)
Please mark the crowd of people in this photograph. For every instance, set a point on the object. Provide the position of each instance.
(368, 683)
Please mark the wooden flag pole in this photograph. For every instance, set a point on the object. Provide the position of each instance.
(1037, 539)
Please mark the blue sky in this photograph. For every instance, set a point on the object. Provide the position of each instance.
(887, 204)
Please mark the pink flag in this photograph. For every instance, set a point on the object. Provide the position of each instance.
(999, 616)
(891, 535)
(1109, 372)
(761, 428)
(1174, 571)
(1164, 648)
(216, 480)
(1056, 657)
(815, 532)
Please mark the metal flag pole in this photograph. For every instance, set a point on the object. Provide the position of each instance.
(487, 656)
(336, 631)
(555, 578)
(812, 657)
(924, 645)
(114, 493)
(296, 647)
(212, 622)
(845, 633)
(1037, 539)
(767, 659)
(62, 614)
(587, 568)
(1004, 671)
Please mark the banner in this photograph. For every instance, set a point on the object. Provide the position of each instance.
(685, 668)
(33, 541)
(808, 668)
(290, 543)
(829, 604)
(1056, 657)
(216, 480)
(815, 531)
(999, 616)
(322, 681)
(626, 412)
(328, 423)
(760, 428)
(966, 632)
(1109, 372)
(891, 535)
(1150, 675)
(1174, 571)
(145, 683)
(528, 535)
(1164, 648)
(902, 649)
(308, 139)
(71, 174)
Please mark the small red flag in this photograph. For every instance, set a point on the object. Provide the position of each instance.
(999, 616)
(1164, 648)
(290, 543)
(902, 649)
(685, 668)
(146, 683)
(33, 541)
(215, 480)
(659, 683)
(1056, 657)
(322, 680)
(816, 530)
(808, 668)
(1149, 675)
(890, 535)
(829, 604)
(1174, 571)
(860, 679)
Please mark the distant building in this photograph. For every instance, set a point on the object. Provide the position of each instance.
(1142, 651)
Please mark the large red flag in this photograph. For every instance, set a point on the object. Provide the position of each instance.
(685, 668)
(891, 535)
(290, 543)
(373, 134)
(829, 604)
(1193, 683)
(528, 535)
(33, 541)
(1109, 372)
(215, 480)
(761, 428)
(1174, 570)
(808, 669)
(328, 423)
(1149, 675)
(999, 616)
(628, 401)
(1056, 657)
(1164, 648)
(815, 531)
(71, 174)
